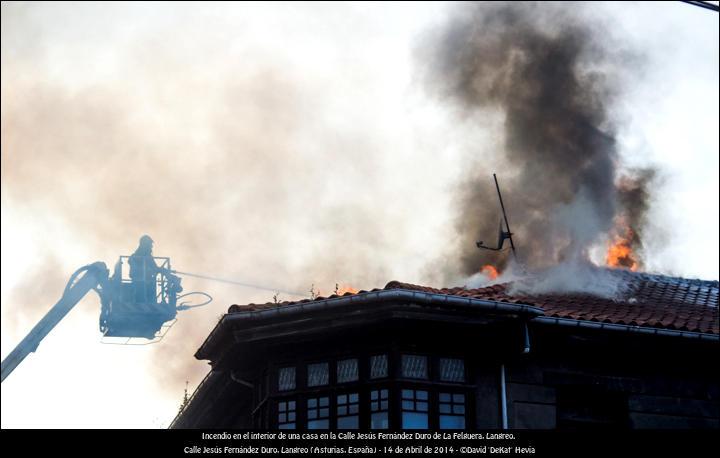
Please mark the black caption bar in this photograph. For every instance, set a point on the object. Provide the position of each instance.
(363, 443)
(198, 443)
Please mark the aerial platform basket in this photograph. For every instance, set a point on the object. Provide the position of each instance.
(139, 304)
(141, 308)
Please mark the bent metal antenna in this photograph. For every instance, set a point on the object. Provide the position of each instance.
(502, 233)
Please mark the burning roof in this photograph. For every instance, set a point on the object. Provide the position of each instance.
(647, 301)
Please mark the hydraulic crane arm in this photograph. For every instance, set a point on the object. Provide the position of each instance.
(95, 277)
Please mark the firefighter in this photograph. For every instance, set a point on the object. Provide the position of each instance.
(143, 271)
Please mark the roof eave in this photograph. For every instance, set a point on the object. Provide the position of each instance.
(571, 322)
(417, 297)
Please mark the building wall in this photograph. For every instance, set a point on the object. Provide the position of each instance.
(575, 381)
(570, 378)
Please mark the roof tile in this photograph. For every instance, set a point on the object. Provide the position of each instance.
(648, 300)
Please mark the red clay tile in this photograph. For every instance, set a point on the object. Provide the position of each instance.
(649, 301)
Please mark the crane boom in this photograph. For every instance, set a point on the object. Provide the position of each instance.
(95, 277)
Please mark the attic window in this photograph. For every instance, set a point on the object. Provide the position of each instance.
(452, 370)
(378, 366)
(414, 366)
(318, 374)
(347, 370)
(286, 379)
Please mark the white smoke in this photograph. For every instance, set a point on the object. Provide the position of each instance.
(572, 277)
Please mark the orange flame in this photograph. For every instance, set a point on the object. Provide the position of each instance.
(340, 290)
(490, 271)
(620, 252)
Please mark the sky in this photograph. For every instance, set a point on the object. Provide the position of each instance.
(284, 145)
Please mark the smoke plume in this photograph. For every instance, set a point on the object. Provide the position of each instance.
(245, 153)
(554, 76)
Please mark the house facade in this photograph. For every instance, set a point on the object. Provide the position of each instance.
(413, 357)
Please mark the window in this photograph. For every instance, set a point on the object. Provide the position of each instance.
(452, 411)
(318, 413)
(286, 379)
(414, 366)
(318, 374)
(347, 411)
(414, 409)
(452, 370)
(378, 366)
(379, 409)
(286, 415)
(347, 370)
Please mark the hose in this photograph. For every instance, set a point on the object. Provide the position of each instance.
(235, 282)
(184, 306)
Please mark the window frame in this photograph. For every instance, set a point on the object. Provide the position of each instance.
(439, 368)
(279, 410)
(388, 405)
(295, 378)
(415, 400)
(388, 372)
(452, 404)
(319, 407)
(337, 364)
(348, 405)
(330, 378)
(428, 369)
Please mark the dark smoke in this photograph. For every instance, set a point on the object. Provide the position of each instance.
(555, 77)
(634, 197)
